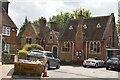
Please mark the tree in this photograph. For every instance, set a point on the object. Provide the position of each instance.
(118, 23)
(118, 27)
(61, 18)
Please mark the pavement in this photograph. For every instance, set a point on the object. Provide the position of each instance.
(7, 71)
(0, 70)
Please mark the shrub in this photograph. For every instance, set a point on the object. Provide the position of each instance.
(31, 47)
(5, 51)
(22, 52)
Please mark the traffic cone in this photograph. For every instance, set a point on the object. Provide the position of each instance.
(45, 70)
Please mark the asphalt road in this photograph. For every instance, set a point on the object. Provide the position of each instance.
(69, 72)
(81, 72)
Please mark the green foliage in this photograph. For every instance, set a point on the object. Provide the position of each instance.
(61, 18)
(30, 47)
(22, 52)
(5, 51)
(118, 27)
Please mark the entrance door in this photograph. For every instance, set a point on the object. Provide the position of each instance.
(55, 50)
(109, 54)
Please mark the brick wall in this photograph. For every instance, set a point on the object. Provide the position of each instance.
(11, 40)
(28, 33)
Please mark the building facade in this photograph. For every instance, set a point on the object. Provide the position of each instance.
(88, 37)
(9, 30)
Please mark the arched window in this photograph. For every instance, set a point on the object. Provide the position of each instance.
(65, 46)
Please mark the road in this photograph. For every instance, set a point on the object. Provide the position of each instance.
(68, 72)
(81, 72)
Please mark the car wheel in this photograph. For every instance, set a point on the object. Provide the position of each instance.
(96, 65)
(58, 66)
(107, 68)
(84, 66)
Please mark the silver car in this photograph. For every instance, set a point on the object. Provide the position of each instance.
(47, 55)
(93, 62)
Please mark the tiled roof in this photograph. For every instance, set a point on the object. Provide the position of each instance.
(69, 34)
(90, 33)
(6, 20)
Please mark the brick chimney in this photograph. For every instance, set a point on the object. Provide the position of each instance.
(54, 26)
(5, 5)
(42, 22)
(79, 33)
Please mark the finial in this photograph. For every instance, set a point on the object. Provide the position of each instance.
(80, 12)
(26, 20)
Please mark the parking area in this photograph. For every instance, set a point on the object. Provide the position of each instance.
(81, 72)
(67, 72)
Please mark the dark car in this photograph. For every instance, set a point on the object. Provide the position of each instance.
(47, 55)
(113, 63)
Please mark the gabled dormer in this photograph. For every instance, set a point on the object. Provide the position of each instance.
(98, 25)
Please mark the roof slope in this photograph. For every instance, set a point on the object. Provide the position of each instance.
(6, 20)
(91, 33)
(69, 34)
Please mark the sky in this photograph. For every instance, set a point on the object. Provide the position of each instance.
(33, 9)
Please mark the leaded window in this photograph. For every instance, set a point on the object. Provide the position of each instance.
(65, 46)
(95, 47)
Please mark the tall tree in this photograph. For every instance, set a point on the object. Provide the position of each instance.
(61, 18)
(118, 23)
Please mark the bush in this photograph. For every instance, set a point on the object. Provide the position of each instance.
(31, 47)
(22, 52)
(5, 51)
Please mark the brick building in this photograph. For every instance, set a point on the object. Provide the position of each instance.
(9, 30)
(87, 36)
(83, 37)
(39, 34)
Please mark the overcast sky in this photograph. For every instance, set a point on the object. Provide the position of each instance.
(34, 9)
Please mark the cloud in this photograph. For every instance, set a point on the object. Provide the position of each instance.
(34, 9)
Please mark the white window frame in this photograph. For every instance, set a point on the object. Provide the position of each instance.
(6, 31)
(7, 47)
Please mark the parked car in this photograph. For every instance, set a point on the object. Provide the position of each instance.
(113, 63)
(47, 55)
(96, 62)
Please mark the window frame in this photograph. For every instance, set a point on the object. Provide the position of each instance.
(95, 47)
(65, 47)
(7, 47)
(6, 31)
(27, 42)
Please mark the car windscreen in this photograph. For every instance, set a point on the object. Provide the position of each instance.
(94, 59)
(49, 54)
(36, 54)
